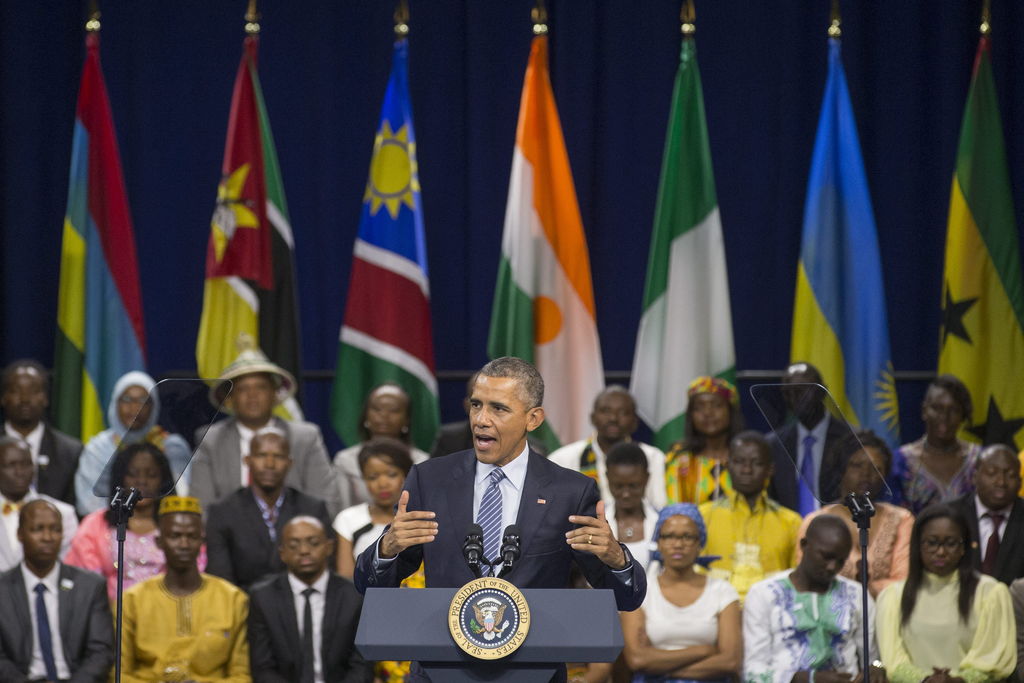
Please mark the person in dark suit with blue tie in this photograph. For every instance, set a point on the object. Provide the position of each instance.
(302, 622)
(501, 481)
(56, 623)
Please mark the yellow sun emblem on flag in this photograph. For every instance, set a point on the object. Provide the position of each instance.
(393, 175)
(232, 211)
(886, 402)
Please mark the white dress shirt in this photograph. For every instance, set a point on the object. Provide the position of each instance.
(317, 603)
(34, 439)
(245, 438)
(38, 668)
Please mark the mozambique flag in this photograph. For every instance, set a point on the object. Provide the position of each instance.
(250, 272)
(687, 279)
(544, 300)
(981, 339)
(386, 335)
(100, 333)
(839, 318)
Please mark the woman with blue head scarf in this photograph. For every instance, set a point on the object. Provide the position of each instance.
(689, 627)
(132, 418)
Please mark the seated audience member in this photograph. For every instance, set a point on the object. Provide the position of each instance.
(864, 459)
(614, 420)
(387, 412)
(302, 622)
(184, 625)
(56, 623)
(753, 535)
(258, 386)
(806, 626)
(453, 437)
(384, 463)
(16, 492)
(938, 467)
(1017, 595)
(141, 466)
(945, 623)
(803, 447)
(630, 513)
(24, 397)
(695, 470)
(242, 530)
(995, 515)
(132, 415)
(688, 627)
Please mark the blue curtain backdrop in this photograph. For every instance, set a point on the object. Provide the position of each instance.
(324, 66)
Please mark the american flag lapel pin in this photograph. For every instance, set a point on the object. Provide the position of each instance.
(541, 501)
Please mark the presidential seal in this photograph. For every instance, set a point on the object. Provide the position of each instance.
(489, 618)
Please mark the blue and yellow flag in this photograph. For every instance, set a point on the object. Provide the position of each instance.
(839, 319)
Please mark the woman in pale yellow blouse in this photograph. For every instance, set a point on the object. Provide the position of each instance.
(945, 623)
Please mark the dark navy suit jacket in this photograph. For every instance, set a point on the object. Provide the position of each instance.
(550, 494)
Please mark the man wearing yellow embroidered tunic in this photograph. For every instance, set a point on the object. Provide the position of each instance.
(754, 535)
(614, 419)
(184, 625)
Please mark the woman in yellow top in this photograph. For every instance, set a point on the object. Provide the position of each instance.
(945, 623)
(695, 470)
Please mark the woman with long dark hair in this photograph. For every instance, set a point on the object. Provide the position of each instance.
(695, 470)
(142, 466)
(945, 623)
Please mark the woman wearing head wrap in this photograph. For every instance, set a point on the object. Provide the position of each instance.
(688, 628)
(132, 414)
(695, 469)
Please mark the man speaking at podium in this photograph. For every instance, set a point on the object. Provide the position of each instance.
(502, 482)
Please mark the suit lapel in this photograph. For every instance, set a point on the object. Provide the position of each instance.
(1008, 545)
(47, 447)
(231, 461)
(286, 601)
(459, 496)
(65, 609)
(254, 519)
(531, 510)
(332, 606)
(22, 615)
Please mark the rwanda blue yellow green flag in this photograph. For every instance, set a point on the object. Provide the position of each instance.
(839, 319)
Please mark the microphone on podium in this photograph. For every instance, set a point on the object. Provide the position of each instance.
(473, 548)
(509, 549)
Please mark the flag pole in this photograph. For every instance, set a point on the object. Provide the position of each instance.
(252, 19)
(402, 19)
(688, 18)
(92, 24)
(986, 18)
(834, 30)
(539, 14)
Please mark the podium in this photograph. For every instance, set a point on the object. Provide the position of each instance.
(567, 625)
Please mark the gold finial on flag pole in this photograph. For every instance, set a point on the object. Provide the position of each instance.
(252, 19)
(834, 31)
(688, 17)
(402, 19)
(539, 13)
(92, 24)
(986, 18)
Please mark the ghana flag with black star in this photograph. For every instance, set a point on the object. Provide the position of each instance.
(982, 334)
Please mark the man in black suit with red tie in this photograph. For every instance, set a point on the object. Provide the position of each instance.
(56, 623)
(995, 514)
(302, 623)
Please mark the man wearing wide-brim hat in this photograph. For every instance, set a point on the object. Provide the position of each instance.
(256, 387)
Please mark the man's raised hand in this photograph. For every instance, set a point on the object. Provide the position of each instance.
(407, 529)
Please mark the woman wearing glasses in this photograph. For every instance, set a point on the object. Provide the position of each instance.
(945, 623)
(688, 628)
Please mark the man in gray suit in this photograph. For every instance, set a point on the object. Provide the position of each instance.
(56, 623)
(259, 386)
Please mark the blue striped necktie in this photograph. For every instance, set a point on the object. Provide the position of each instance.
(807, 502)
(489, 516)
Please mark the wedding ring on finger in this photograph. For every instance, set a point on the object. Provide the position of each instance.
(590, 540)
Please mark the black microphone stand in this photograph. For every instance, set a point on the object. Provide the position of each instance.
(862, 511)
(123, 505)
